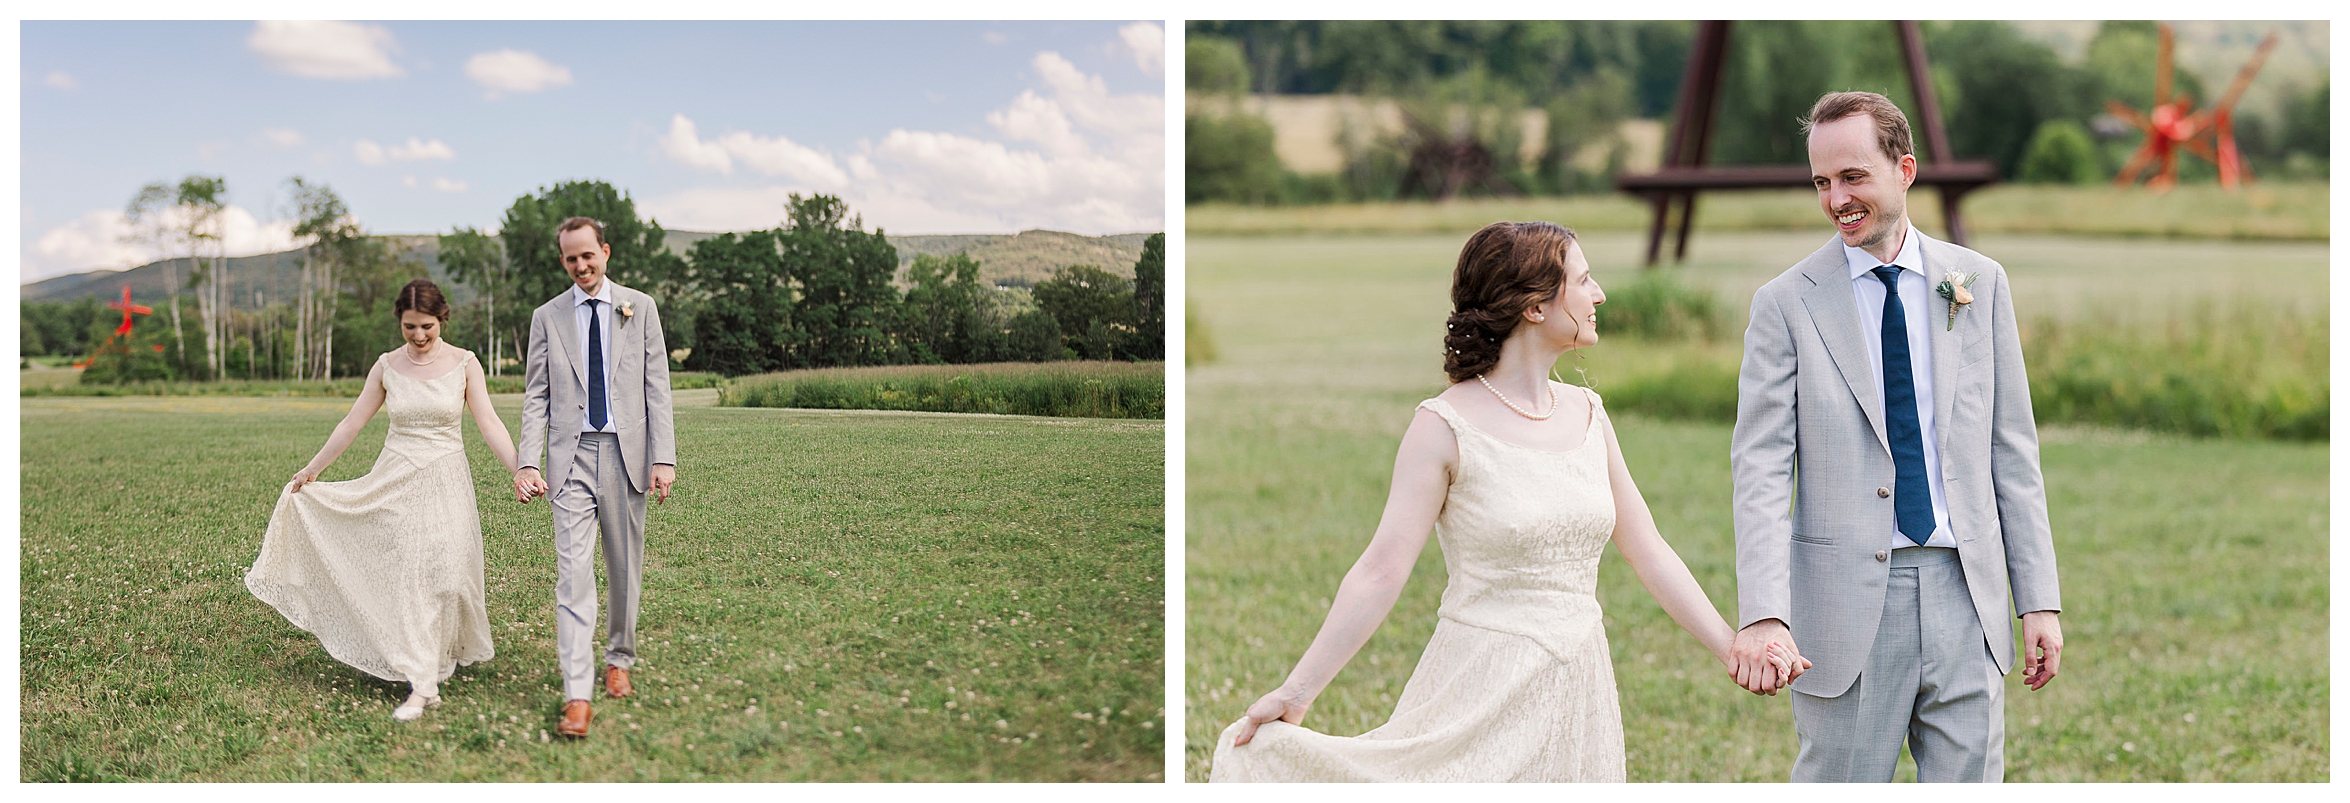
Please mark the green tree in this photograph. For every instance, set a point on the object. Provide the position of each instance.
(944, 322)
(1228, 156)
(2306, 123)
(478, 261)
(2061, 153)
(745, 326)
(1214, 65)
(1089, 304)
(1034, 336)
(639, 256)
(1150, 300)
(846, 301)
(330, 238)
(2001, 90)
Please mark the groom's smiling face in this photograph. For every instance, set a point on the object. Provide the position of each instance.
(1863, 189)
(584, 258)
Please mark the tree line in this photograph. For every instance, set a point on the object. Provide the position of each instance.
(817, 291)
(2005, 97)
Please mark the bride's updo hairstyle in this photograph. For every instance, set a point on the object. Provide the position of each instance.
(422, 296)
(1505, 269)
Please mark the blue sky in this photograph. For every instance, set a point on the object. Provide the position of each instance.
(924, 127)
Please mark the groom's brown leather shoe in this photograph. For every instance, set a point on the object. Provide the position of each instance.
(576, 715)
(616, 682)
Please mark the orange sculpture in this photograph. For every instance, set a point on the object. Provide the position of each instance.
(2174, 125)
(128, 309)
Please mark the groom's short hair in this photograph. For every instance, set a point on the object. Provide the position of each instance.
(582, 223)
(1892, 125)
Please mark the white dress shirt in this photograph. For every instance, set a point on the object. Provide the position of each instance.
(603, 313)
(1869, 292)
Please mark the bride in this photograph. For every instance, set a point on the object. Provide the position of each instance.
(386, 569)
(1524, 484)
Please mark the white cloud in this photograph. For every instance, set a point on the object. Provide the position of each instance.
(1068, 155)
(1149, 43)
(448, 185)
(342, 51)
(516, 71)
(94, 242)
(283, 137)
(771, 156)
(993, 37)
(408, 181)
(415, 150)
(57, 79)
(683, 144)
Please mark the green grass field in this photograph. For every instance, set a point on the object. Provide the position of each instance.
(845, 596)
(2194, 570)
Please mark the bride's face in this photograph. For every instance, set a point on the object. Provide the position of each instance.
(1571, 316)
(420, 329)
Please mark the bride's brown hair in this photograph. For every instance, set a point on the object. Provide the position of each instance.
(1504, 269)
(422, 296)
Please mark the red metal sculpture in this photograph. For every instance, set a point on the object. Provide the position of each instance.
(128, 309)
(2174, 125)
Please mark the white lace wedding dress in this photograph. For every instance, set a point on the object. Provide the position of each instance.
(386, 569)
(1515, 684)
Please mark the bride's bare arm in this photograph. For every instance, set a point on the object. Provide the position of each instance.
(370, 400)
(1423, 471)
(493, 428)
(1660, 568)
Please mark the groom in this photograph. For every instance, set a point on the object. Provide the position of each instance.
(1884, 370)
(596, 404)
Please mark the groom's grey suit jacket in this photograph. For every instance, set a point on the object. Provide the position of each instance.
(1810, 551)
(554, 401)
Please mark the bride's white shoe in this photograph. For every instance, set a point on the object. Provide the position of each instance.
(414, 707)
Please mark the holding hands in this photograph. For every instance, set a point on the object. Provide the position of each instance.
(528, 485)
(1763, 658)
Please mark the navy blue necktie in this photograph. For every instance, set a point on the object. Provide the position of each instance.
(597, 415)
(1913, 506)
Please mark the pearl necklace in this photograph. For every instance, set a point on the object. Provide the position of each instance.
(1554, 400)
(436, 357)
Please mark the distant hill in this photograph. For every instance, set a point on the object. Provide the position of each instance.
(1011, 259)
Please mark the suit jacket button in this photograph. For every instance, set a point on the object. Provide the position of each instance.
(1882, 555)
(1882, 493)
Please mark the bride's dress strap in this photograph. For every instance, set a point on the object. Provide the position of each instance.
(1443, 409)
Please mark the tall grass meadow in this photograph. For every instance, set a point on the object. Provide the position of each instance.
(1091, 389)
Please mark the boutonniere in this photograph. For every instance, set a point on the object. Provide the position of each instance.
(1954, 288)
(627, 310)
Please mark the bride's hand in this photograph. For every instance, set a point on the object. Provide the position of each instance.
(301, 478)
(1276, 705)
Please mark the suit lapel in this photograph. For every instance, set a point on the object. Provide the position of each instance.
(1836, 317)
(1945, 340)
(627, 342)
(570, 334)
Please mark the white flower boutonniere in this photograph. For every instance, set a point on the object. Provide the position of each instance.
(627, 310)
(1954, 288)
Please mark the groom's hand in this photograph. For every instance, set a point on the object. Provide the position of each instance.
(1750, 656)
(2043, 641)
(528, 485)
(664, 475)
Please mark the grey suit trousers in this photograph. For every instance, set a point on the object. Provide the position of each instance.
(1930, 678)
(596, 496)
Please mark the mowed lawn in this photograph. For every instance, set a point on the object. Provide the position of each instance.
(2194, 571)
(832, 595)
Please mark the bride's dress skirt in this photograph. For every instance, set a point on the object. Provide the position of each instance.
(386, 569)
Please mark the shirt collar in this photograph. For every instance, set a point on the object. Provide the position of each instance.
(603, 293)
(1861, 262)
